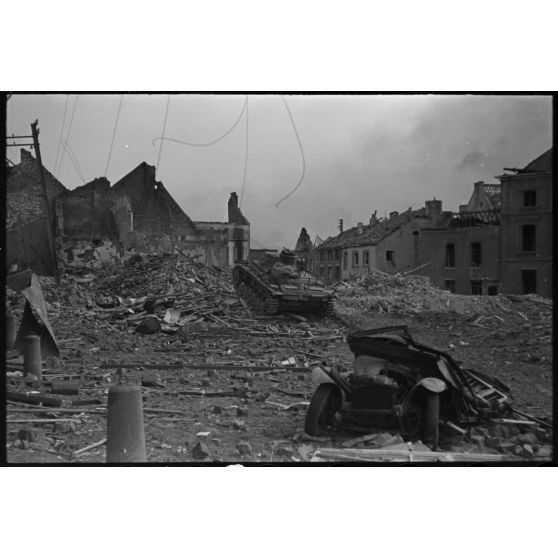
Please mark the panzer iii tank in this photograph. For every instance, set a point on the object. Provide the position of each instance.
(279, 284)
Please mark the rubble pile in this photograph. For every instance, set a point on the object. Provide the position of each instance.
(220, 383)
(414, 294)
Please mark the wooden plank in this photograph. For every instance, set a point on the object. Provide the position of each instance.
(401, 455)
(90, 447)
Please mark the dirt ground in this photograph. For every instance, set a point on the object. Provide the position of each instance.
(266, 409)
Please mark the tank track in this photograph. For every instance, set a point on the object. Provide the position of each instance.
(257, 300)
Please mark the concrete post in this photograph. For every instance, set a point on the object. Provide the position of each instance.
(125, 430)
(32, 357)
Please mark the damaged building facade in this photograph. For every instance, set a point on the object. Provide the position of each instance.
(460, 254)
(526, 228)
(97, 223)
(388, 245)
(500, 241)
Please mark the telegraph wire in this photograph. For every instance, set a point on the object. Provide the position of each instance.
(67, 136)
(61, 131)
(67, 147)
(163, 133)
(114, 133)
(301, 152)
(245, 158)
(164, 138)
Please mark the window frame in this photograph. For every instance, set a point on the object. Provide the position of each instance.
(476, 254)
(447, 286)
(533, 227)
(447, 255)
(476, 282)
(527, 194)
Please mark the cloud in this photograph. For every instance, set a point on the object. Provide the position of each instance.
(472, 159)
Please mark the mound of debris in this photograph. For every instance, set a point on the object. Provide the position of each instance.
(414, 294)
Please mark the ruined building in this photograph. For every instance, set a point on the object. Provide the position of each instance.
(389, 245)
(500, 241)
(460, 253)
(26, 219)
(303, 247)
(97, 222)
(526, 228)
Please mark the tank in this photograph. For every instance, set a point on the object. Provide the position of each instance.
(278, 284)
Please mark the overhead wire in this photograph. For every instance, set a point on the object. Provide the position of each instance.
(245, 157)
(67, 136)
(68, 148)
(114, 133)
(207, 144)
(61, 132)
(163, 133)
(301, 152)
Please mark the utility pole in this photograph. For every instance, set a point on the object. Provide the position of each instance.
(50, 222)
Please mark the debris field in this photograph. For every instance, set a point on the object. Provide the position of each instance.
(222, 384)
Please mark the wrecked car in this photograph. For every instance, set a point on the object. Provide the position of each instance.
(397, 382)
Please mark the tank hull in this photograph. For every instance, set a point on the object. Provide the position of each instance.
(266, 296)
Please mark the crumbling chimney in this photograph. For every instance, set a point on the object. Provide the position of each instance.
(433, 210)
(340, 226)
(235, 215)
(373, 218)
(233, 207)
(393, 214)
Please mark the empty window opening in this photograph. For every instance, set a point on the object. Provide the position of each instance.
(475, 254)
(450, 285)
(450, 255)
(390, 256)
(492, 290)
(366, 257)
(529, 281)
(476, 287)
(345, 259)
(528, 238)
(355, 258)
(529, 198)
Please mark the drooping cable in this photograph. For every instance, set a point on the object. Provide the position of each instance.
(114, 133)
(301, 153)
(245, 157)
(67, 147)
(67, 136)
(163, 138)
(61, 131)
(163, 134)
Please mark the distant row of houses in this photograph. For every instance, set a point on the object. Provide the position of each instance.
(500, 241)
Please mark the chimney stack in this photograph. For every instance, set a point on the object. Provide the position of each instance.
(393, 214)
(433, 210)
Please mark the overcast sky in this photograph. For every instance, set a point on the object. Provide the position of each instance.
(362, 153)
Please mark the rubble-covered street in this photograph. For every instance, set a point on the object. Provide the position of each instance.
(221, 384)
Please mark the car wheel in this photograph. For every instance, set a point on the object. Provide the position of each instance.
(325, 402)
(431, 420)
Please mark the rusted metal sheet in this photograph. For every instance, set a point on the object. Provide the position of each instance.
(35, 317)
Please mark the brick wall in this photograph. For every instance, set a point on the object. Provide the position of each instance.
(24, 194)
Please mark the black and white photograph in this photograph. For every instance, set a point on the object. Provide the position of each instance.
(278, 278)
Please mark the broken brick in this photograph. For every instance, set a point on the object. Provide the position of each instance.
(200, 451)
(244, 448)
